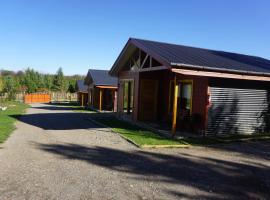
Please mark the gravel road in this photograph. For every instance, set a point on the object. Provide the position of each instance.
(56, 153)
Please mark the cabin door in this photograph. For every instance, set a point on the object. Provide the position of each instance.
(148, 99)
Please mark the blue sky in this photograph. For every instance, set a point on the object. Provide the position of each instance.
(81, 34)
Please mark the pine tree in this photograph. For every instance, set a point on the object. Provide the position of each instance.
(31, 80)
(59, 82)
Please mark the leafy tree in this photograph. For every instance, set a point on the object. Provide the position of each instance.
(7, 73)
(10, 87)
(1, 85)
(31, 81)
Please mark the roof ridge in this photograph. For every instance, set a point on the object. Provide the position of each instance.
(98, 70)
(199, 48)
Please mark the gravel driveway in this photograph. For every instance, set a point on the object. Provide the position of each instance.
(59, 154)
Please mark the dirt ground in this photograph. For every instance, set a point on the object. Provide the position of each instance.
(56, 153)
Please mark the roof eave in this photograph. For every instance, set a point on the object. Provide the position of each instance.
(206, 68)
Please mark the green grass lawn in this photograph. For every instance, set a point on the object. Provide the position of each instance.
(6, 121)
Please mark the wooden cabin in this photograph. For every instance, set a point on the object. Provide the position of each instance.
(183, 88)
(82, 93)
(102, 90)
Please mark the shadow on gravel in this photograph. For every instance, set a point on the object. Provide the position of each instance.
(258, 149)
(58, 121)
(58, 108)
(219, 178)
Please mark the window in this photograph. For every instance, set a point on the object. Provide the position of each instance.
(171, 96)
(186, 96)
(128, 96)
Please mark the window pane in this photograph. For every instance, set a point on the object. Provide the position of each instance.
(125, 95)
(171, 94)
(128, 96)
(185, 97)
(131, 96)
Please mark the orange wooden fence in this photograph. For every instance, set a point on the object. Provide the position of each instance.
(37, 98)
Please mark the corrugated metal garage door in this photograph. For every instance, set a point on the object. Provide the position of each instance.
(235, 110)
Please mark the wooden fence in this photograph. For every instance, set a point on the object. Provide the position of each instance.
(60, 97)
(54, 96)
(37, 98)
(18, 97)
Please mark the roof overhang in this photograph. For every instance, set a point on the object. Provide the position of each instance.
(219, 74)
(206, 68)
(106, 87)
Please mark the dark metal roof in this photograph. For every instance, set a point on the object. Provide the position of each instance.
(172, 55)
(100, 77)
(80, 87)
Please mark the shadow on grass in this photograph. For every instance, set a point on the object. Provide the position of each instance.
(225, 179)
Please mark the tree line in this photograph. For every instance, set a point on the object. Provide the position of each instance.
(31, 81)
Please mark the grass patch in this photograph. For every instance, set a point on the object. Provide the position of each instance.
(6, 121)
(137, 135)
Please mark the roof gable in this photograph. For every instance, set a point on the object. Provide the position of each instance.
(80, 86)
(100, 77)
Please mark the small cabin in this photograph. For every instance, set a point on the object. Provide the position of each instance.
(187, 89)
(102, 90)
(82, 93)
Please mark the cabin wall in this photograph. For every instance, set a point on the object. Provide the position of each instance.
(96, 98)
(163, 77)
(199, 98)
